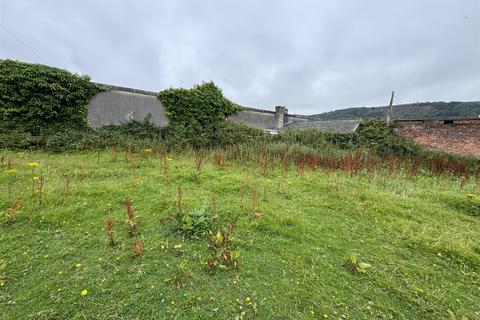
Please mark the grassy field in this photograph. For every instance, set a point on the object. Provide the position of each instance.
(421, 236)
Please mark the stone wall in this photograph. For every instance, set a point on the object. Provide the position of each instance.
(457, 136)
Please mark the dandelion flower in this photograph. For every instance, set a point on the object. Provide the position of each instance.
(84, 293)
(32, 164)
(78, 265)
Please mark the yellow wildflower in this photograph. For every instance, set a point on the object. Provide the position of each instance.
(78, 265)
(35, 178)
(32, 164)
(84, 293)
(11, 171)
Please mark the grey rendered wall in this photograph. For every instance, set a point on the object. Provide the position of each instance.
(124, 104)
(115, 107)
(263, 120)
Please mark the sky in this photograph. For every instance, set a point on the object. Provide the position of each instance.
(311, 56)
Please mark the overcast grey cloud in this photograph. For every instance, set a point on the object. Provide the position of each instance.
(311, 56)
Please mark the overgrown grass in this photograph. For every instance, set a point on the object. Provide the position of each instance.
(417, 232)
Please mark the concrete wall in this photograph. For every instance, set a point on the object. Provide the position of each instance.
(116, 107)
(121, 105)
(456, 136)
(260, 119)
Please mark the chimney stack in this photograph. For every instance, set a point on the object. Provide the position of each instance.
(281, 116)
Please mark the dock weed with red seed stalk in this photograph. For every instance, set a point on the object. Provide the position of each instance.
(138, 249)
(109, 226)
(12, 211)
(131, 216)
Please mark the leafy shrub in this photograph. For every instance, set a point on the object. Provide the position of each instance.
(67, 139)
(39, 98)
(380, 138)
(317, 139)
(230, 133)
(196, 114)
(18, 139)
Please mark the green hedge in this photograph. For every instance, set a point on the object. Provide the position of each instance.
(40, 99)
(196, 115)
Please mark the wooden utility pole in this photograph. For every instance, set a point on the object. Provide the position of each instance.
(390, 110)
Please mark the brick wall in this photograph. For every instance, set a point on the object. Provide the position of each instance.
(457, 136)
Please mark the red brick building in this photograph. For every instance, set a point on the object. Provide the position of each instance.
(458, 136)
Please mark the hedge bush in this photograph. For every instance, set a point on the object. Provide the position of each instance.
(380, 138)
(196, 115)
(38, 99)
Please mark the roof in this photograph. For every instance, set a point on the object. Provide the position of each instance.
(342, 126)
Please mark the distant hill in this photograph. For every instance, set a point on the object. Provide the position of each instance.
(423, 110)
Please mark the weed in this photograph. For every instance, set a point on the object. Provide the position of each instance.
(179, 275)
(353, 265)
(68, 183)
(199, 157)
(243, 188)
(414, 167)
(41, 183)
(3, 276)
(131, 216)
(301, 162)
(254, 199)
(221, 253)
(219, 159)
(110, 231)
(213, 207)
(264, 163)
(165, 166)
(178, 202)
(393, 163)
(12, 211)
(138, 249)
(115, 152)
(196, 222)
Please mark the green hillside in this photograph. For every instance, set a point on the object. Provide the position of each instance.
(423, 110)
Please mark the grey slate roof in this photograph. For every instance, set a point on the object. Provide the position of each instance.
(342, 126)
